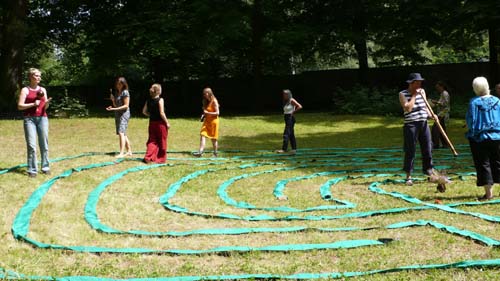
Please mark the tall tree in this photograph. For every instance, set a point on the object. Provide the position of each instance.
(482, 15)
(13, 32)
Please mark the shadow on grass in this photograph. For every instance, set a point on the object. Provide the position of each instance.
(378, 136)
(20, 171)
(322, 119)
(450, 197)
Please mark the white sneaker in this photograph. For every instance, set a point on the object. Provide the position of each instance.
(197, 154)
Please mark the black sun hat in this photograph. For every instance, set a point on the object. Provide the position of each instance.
(414, 77)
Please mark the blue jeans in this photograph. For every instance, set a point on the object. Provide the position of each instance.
(413, 132)
(37, 127)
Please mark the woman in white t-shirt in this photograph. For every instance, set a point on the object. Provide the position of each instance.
(290, 106)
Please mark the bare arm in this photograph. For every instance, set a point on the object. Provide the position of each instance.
(161, 104)
(216, 112)
(145, 110)
(47, 99)
(126, 101)
(21, 105)
(407, 105)
(296, 104)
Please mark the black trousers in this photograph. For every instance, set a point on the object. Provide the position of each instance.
(437, 138)
(486, 156)
(289, 133)
(414, 132)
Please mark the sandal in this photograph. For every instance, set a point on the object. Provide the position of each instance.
(197, 154)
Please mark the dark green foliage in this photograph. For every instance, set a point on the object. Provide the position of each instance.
(384, 102)
(459, 105)
(363, 100)
(65, 106)
(91, 42)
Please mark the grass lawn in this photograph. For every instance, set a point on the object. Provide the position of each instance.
(221, 216)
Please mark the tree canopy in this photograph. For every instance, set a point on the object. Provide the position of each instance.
(81, 42)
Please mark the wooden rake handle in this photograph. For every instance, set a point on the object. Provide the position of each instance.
(436, 119)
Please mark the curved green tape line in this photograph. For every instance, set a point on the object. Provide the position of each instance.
(177, 185)
(21, 226)
(217, 250)
(374, 187)
(91, 204)
(278, 191)
(297, 276)
(4, 171)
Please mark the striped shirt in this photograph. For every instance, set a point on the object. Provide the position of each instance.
(419, 110)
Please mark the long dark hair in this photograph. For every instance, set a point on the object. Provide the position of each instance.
(442, 84)
(122, 81)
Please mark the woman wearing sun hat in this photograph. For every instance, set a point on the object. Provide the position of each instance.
(415, 127)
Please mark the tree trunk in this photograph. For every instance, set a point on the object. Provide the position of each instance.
(360, 27)
(257, 33)
(12, 52)
(362, 51)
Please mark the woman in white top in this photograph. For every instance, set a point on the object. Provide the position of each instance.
(290, 106)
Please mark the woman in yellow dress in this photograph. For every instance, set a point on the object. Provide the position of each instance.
(210, 118)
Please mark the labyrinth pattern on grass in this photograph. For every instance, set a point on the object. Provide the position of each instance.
(379, 167)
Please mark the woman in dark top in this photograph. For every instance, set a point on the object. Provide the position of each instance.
(158, 126)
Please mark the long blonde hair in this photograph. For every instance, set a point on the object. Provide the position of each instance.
(211, 97)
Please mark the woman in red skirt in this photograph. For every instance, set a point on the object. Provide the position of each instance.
(154, 108)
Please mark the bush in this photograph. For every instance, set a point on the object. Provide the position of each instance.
(64, 106)
(459, 106)
(364, 100)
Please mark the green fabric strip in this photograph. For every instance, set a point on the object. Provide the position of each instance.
(20, 227)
